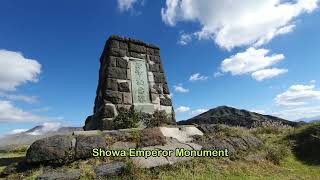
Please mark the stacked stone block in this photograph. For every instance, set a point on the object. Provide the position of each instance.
(115, 81)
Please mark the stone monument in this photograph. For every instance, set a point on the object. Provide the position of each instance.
(131, 74)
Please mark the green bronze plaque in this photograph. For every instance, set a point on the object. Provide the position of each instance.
(140, 85)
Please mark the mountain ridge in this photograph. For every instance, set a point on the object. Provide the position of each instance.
(234, 117)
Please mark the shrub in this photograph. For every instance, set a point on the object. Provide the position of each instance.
(126, 118)
(158, 118)
(269, 127)
(277, 153)
(306, 143)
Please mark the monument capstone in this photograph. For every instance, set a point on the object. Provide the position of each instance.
(131, 74)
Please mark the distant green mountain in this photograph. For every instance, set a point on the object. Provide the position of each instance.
(234, 117)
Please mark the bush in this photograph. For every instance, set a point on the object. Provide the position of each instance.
(277, 153)
(266, 127)
(127, 118)
(306, 143)
(158, 118)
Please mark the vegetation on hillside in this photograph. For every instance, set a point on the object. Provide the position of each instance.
(279, 158)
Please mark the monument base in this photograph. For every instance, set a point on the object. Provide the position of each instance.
(147, 108)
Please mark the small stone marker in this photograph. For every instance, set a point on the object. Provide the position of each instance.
(131, 73)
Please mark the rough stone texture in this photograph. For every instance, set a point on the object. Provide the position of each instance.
(127, 98)
(122, 63)
(120, 145)
(55, 149)
(151, 137)
(172, 144)
(109, 170)
(165, 102)
(112, 84)
(85, 144)
(124, 87)
(183, 134)
(116, 81)
(114, 97)
(70, 175)
(233, 144)
(117, 73)
(165, 89)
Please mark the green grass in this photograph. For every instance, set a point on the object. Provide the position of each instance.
(282, 165)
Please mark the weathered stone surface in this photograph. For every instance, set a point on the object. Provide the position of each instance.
(159, 77)
(127, 98)
(150, 51)
(137, 48)
(165, 89)
(154, 68)
(155, 98)
(124, 87)
(151, 137)
(155, 59)
(158, 88)
(120, 145)
(181, 134)
(90, 123)
(68, 175)
(122, 63)
(157, 52)
(85, 144)
(109, 170)
(117, 73)
(114, 97)
(150, 162)
(118, 52)
(233, 144)
(108, 111)
(112, 61)
(123, 45)
(55, 149)
(165, 102)
(112, 84)
(172, 145)
(114, 44)
(137, 55)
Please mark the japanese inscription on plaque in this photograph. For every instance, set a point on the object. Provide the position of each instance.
(140, 86)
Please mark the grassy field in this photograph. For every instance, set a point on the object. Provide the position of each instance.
(275, 160)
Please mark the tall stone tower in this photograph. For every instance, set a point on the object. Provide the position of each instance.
(131, 74)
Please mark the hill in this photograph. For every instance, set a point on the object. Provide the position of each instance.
(14, 141)
(235, 117)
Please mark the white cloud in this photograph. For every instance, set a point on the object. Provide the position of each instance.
(10, 113)
(47, 127)
(198, 111)
(182, 109)
(299, 112)
(125, 5)
(180, 89)
(298, 95)
(254, 61)
(26, 99)
(217, 74)
(18, 131)
(234, 23)
(268, 73)
(184, 39)
(250, 61)
(197, 77)
(16, 70)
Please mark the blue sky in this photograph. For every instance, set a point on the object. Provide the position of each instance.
(260, 56)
